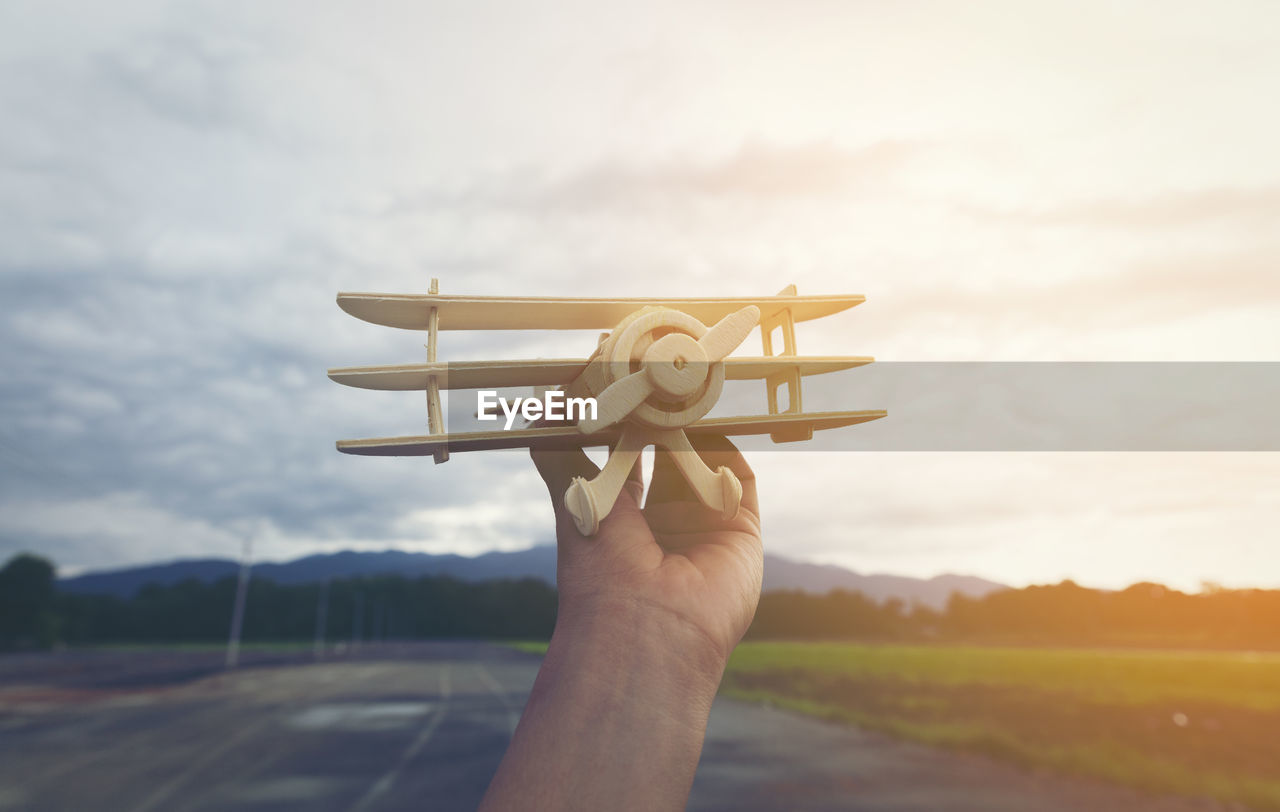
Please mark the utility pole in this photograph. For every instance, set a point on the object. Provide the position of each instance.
(237, 613)
(322, 617)
(357, 622)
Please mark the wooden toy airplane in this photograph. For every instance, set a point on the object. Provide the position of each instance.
(653, 377)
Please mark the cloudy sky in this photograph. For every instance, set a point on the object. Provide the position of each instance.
(185, 186)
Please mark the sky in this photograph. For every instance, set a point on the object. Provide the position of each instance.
(185, 186)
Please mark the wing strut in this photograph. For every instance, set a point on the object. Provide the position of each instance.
(784, 321)
(435, 418)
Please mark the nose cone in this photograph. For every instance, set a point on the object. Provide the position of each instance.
(676, 364)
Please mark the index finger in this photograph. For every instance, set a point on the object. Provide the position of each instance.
(717, 450)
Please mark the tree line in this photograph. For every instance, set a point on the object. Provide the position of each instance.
(34, 614)
(1064, 614)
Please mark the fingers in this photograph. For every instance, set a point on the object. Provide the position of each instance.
(558, 467)
(669, 485)
(635, 482)
(716, 450)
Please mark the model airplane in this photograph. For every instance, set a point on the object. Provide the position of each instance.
(653, 378)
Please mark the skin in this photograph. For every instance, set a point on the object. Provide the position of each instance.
(650, 609)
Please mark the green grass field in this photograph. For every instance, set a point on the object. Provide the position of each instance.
(1195, 723)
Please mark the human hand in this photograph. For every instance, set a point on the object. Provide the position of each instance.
(650, 607)
(673, 560)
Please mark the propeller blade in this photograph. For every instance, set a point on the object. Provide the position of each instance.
(729, 332)
(618, 400)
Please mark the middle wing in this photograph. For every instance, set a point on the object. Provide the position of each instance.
(559, 371)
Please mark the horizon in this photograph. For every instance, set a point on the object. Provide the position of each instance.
(63, 574)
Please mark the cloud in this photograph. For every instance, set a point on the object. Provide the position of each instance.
(1257, 207)
(184, 188)
(206, 403)
(1155, 290)
(118, 525)
(755, 171)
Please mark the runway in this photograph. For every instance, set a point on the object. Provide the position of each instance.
(422, 727)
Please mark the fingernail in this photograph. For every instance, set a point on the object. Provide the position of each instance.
(636, 489)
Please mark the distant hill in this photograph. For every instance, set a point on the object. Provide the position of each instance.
(535, 562)
(784, 573)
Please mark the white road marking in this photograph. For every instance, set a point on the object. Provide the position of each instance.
(165, 790)
(389, 778)
(513, 715)
(362, 677)
(360, 716)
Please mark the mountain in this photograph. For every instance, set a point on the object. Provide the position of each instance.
(784, 573)
(535, 562)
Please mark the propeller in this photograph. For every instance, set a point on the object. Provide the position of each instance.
(675, 366)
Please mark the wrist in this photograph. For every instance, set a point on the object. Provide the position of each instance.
(641, 636)
(621, 702)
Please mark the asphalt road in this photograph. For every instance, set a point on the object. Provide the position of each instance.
(422, 726)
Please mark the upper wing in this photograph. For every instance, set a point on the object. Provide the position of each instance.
(411, 311)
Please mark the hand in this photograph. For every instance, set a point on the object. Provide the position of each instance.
(673, 558)
(650, 608)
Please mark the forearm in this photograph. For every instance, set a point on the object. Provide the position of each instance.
(617, 714)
